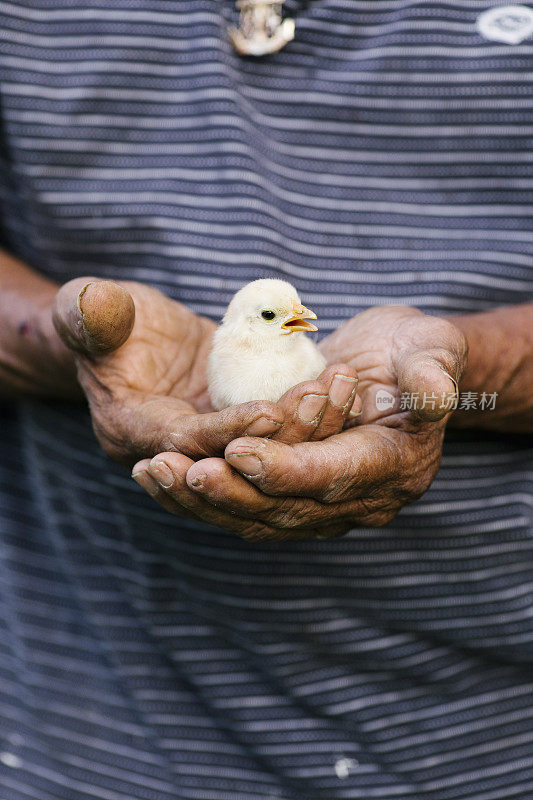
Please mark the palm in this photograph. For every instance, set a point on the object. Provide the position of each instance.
(151, 389)
(141, 362)
(364, 475)
(165, 354)
(379, 343)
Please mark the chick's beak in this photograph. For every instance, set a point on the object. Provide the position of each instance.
(298, 322)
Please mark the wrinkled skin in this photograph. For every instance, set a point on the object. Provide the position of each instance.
(360, 476)
(150, 394)
(315, 477)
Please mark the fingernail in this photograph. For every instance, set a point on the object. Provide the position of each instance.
(246, 463)
(162, 473)
(80, 296)
(341, 389)
(310, 406)
(262, 427)
(357, 408)
(455, 385)
(198, 481)
(146, 482)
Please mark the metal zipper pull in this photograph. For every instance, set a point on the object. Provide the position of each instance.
(261, 29)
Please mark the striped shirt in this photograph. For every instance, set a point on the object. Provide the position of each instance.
(384, 156)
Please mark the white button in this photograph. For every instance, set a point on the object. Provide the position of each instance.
(344, 766)
(10, 760)
(509, 24)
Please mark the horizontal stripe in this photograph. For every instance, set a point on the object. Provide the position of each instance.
(382, 157)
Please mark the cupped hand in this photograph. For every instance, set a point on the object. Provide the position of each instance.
(268, 489)
(141, 362)
(406, 361)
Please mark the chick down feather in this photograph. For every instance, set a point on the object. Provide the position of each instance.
(261, 348)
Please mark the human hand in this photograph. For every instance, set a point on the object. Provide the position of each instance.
(141, 360)
(398, 350)
(362, 476)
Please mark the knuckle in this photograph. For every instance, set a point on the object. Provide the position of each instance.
(422, 475)
(310, 387)
(375, 512)
(449, 345)
(262, 408)
(190, 435)
(454, 335)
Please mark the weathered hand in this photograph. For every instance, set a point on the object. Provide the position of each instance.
(399, 350)
(362, 476)
(141, 362)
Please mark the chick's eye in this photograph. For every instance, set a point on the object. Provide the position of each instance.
(268, 314)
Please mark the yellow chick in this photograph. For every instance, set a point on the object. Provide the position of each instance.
(260, 350)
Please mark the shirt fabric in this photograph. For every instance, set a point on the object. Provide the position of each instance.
(384, 156)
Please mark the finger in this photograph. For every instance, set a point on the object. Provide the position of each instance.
(215, 481)
(169, 471)
(130, 426)
(201, 435)
(342, 400)
(430, 390)
(213, 492)
(354, 414)
(429, 375)
(92, 316)
(342, 467)
(142, 477)
(184, 481)
(303, 406)
(165, 484)
(218, 484)
(317, 409)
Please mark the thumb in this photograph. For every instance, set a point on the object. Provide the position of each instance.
(93, 317)
(429, 382)
(138, 427)
(430, 365)
(203, 435)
